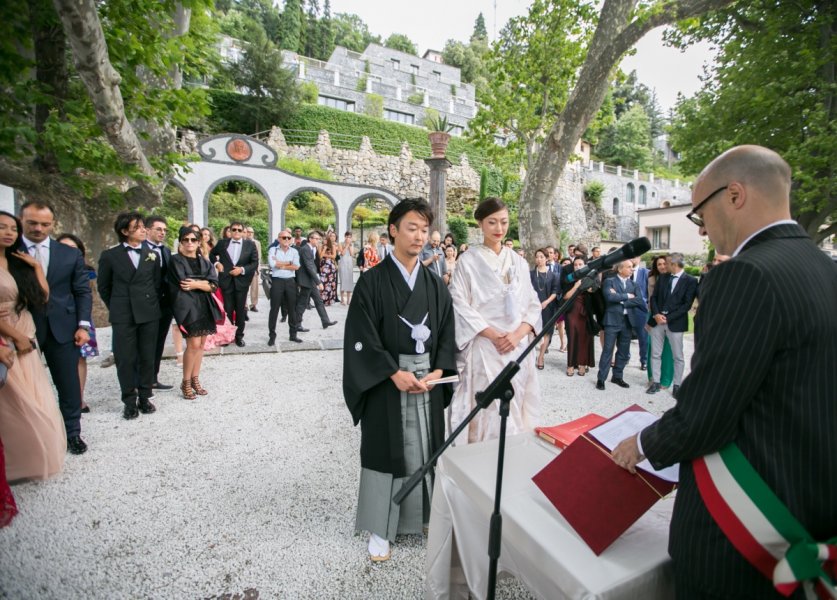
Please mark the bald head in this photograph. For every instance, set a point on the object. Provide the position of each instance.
(741, 191)
(757, 167)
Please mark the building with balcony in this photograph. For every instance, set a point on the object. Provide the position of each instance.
(408, 84)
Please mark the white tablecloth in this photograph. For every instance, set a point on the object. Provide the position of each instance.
(539, 547)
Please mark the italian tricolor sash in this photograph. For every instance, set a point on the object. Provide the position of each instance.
(761, 528)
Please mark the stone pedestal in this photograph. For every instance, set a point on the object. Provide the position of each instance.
(437, 199)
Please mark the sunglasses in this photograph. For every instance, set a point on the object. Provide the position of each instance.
(236, 229)
(285, 237)
(189, 240)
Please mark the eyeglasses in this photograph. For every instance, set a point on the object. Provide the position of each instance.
(236, 229)
(189, 240)
(696, 218)
(285, 237)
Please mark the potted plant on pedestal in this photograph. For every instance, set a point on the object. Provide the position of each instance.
(439, 135)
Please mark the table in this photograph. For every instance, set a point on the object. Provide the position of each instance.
(539, 547)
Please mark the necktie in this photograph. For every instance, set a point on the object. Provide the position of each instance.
(40, 256)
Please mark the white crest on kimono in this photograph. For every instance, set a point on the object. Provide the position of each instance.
(358, 346)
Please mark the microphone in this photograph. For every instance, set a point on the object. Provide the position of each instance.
(633, 248)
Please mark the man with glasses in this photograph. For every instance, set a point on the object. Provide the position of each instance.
(284, 262)
(129, 277)
(249, 233)
(156, 230)
(308, 280)
(753, 427)
(236, 261)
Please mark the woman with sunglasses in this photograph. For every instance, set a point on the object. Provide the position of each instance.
(192, 280)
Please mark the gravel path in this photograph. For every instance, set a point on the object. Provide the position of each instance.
(248, 492)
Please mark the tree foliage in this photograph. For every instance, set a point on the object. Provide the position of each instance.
(480, 32)
(532, 67)
(399, 41)
(350, 31)
(628, 141)
(472, 61)
(773, 84)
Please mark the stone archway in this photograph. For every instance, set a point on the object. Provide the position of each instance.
(306, 188)
(230, 156)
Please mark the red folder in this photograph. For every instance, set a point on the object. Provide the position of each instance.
(598, 498)
(565, 434)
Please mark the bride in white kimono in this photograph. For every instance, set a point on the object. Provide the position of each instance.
(495, 309)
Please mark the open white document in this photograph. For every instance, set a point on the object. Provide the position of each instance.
(629, 424)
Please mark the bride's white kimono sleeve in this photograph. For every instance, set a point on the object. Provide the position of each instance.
(481, 299)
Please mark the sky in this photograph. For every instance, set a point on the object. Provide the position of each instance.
(430, 23)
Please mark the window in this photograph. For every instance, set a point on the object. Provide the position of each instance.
(336, 103)
(629, 198)
(414, 69)
(394, 115)
(457, 130)
(616, 206)
(642, 195)
(396, 64)
(659, 237)
(437, 75)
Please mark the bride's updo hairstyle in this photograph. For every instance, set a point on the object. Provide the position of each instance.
(489, 206)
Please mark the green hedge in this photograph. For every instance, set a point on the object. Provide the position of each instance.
(392, 134)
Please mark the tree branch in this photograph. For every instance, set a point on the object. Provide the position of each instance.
(90, 53)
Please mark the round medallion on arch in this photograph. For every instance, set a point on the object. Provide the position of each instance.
(239, 149)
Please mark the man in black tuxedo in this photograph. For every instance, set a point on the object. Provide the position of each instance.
(62, 325)
(762, 378)
(308, 280)
(156, 229)
(236, 261)
(673, 297)
(621, 296)
(129, 277)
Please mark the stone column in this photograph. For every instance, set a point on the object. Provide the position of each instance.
(438, 191)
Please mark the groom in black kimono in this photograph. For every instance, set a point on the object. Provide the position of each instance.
(399, 337)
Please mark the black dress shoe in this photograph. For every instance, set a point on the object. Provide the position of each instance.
(329, 324)
(254, 309)
(145, 407)
(642, 367)
(271, 340)
(653, 388)
(620, 382)
(85, 409)
(296, 339)
(600, 384)
(283, 319)
(240, 343)
(161, 386)
(76, 445)
(302, 330)
(246, 317)
(130, 412)
(674, 391)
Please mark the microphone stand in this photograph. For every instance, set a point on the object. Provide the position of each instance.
(499, 389)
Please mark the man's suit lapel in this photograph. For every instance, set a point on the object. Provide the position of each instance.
(786, 230)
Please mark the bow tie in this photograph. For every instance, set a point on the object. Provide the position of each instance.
(235, 242)
(137, 250)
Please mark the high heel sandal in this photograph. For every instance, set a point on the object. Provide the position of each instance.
(570, 371)
(539, 365)
(582, 370)
(196, 385)
(186, 390)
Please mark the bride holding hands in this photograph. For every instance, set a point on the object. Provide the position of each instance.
(496, 308)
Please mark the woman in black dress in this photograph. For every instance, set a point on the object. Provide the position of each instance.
(581, 326)
(192, 280)
(546, 286)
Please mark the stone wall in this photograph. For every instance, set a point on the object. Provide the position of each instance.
(403, 175)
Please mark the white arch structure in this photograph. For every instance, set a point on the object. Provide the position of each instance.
(238, 157)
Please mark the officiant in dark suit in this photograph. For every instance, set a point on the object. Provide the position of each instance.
(156, 229)
(129, 277)
(62, 326)
(239, 262)
(756, 417)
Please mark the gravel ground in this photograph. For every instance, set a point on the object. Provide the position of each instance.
(248, 492)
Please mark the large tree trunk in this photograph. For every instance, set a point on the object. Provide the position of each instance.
(616, 33)
(90, 54)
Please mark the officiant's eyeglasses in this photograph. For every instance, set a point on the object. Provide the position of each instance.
(188, 240)
(696, 218)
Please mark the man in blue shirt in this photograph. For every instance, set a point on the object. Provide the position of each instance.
(284, 261)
